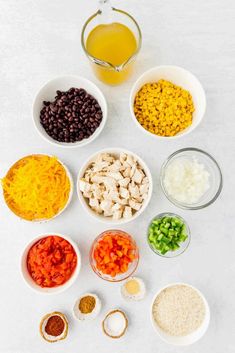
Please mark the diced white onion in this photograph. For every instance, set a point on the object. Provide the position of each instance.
(186, 180)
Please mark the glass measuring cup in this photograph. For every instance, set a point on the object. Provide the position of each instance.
(107, 71)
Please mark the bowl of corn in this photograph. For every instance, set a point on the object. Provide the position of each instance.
(167, 102)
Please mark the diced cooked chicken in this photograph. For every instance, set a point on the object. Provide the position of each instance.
(144, 188)
(107, 157)
(108, 213)
(116, 207)
(138, 176)
(115, 167)
(111, 195)
(134, 190)
(127, 172)
(87, 194)
(115, 186)
(145, 196)
(124, 182)
(124, 193)
(135, 205)
(94, 202)
(122, 157)
(116, 176)
(84, 185)
(97, 192)
(87, 177)
(106, 205)
(130, 160)
(132, 172)
(145, 180)
(100, 166)
(117, 215)
(127, 212)
(109, 182)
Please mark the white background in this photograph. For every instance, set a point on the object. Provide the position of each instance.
(39, 40)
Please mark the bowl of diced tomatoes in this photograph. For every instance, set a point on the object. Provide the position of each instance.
(114, 255)
(51, 263)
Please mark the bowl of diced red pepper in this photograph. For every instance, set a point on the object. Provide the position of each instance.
(114, 255)
(51, 263)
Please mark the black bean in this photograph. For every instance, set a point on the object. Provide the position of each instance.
(74, 115)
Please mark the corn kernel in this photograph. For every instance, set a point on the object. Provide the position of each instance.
(163, 108)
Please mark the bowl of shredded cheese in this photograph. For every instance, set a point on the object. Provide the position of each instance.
(167, 102)
(191, 178)
(37, 187)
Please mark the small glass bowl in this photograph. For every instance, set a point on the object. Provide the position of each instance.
(215, 179)
(183, 246)
(132, 266)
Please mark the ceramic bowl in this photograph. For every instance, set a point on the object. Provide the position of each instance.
(84, 201)
(29, 280)
(188, 339)
(64, 83)
(69, 198)
(180, 77)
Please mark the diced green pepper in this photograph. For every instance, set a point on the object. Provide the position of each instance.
(166, 233)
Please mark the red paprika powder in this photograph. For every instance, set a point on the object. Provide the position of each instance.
(55, 326)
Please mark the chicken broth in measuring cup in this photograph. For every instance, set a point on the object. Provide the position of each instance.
(111, 39)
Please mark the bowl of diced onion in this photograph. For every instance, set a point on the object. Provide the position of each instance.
(191, 178)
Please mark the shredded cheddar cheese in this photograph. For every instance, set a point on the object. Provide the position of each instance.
(36, 187)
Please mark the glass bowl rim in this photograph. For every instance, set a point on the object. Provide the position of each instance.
(188, 240)
(91, 258)
(179, 204)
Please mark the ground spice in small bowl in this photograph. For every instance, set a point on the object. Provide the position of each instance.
(87, 307)
(55, 326)
(87, 304)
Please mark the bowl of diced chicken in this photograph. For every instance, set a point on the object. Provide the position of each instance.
(114, 186)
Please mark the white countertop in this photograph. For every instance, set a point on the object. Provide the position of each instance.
(41, 39)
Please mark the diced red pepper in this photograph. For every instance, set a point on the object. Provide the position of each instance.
(51, 261)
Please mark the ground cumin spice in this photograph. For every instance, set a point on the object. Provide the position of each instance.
(87, 304)
(55, 326)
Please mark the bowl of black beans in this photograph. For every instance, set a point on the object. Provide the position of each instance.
(69, 111)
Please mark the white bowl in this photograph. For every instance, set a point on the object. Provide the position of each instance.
(64, 83)
(182, 340)
(28, 279)
(84, 202)
(70, 193)
(180, 77)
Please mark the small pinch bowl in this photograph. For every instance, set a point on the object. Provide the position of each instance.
(179, 77)
(29, 280)
(69, 198)
(64, 83)
(183, 246)
(84, 202)
(131, 268)
(182, 340)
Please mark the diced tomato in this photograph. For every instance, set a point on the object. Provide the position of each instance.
(51, 261)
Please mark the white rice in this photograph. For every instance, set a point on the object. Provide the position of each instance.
(179, 310)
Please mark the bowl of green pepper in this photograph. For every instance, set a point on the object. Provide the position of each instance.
(168, 235)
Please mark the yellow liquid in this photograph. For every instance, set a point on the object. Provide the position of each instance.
(113, 43)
